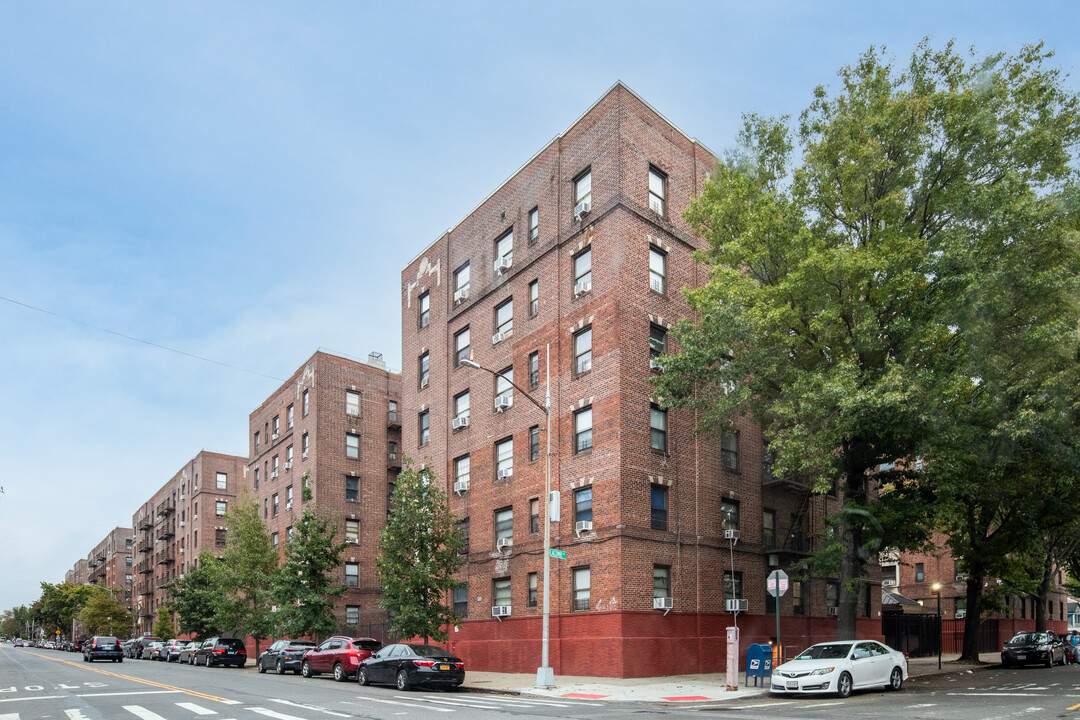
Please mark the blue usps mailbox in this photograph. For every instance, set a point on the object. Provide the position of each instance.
(758, 663)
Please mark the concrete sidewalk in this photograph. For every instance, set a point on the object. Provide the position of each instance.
(709, 687)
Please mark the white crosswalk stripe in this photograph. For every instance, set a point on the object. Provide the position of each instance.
(274, 714)
(316, 708)
(476, 704)
(140, 712)
(75, 714)
(531, 700)
(404, 704)
(9, 716)
(197, 709)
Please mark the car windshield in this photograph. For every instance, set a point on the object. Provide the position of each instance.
(235, 644)
(825, 652)
(369, 645)
(1028, 638)
(301, 644)
(429, 651)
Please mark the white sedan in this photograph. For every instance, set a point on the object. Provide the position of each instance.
(840, 667)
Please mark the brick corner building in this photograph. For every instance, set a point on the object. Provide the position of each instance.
(584, 250)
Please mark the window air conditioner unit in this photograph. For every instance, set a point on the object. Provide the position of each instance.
(460, 422)
(274, 436)
(582, 209)
(181, 551)
(888, 583)
(461, 295)
(582, 287)
(303, 455)
(504, 543)
(504, 473)
(181, 523)
(500, 611)
(288, 506)
(352, 541)
(424, 382)
(503, 264)
(583, 526)
(657, 284)
(961, 577)
(585, 367)
(833, 610)
(774, 560)
(961, 614)
(737, 605)
(664, 603)
(461, 486)
(654, 363)
(273, 474)
(503, 401)
(288, 465)
(498, 338)
(731, 534)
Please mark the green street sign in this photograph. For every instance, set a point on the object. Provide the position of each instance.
(560, 554)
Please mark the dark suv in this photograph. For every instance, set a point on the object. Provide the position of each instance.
(221, 651)
(102, 647)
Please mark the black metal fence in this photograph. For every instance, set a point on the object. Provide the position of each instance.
(920, 635)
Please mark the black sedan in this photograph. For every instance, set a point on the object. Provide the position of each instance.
(284, 655)
(1033, 647)
(407, 665)
(102, 647)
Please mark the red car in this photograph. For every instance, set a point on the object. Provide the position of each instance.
(340, 655)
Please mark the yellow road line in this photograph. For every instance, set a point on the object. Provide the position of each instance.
(151, 683)
(1074, 707)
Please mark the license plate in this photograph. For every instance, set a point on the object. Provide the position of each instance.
(792, 684)
(1021, 657)
(444, 667)
(232, 652)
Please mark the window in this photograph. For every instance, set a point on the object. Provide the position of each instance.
(797, 597)
(657, 270)
(583, 272)
(423, 308)
(352, 488)
(461, 469)
(288, 456)
(221, 508)
(275, 504)
(534, 298)
(504, 318)
(504, 524)
(768, 529)
(352, 574)
(352, 403)
(661, 581)
(352, 614)
(534, 369)
(274, 466)
(461, 283)
(389, 497)
(219, 538)
(532, 589)
(534, 515)
(729, 514)
(289, 418)
(888, 575)
(580, 589)
(832, 593)
(305, 406)
(657, 428)
(534, 442)
(659, 507)
(504, 387)
(391, 412)
(461, 601)
(352, 446)
(920, 574)
(462, 346)
(504, 250)
(256, 478)
(274, 540)
(733, 584)
(583, 351)
(424, 369)
(463, 528)
(276, 427)
(583, 505)
(583, 430)
(657, 344)
(352, 531)
(461, 404)
(424, 423)
(504, 458)
(256, 442)
(729, 450)
(657, 188)
(222, 481)
(288, 497)
(534, 224)
(583, 192)
(304, 445)
(500, 591)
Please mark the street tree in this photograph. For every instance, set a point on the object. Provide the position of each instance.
(105, 615)
(835, 288)
(164, 627)
(419, 554)
(305, 587)
(198, 596)
(250, 563)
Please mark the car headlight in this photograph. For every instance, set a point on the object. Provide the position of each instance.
(1045, 648)
(823, 671)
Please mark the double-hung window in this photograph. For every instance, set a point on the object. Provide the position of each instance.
(504, 458)
(423, 307)
(504, 320)
(352, 446)
(352, 574)
(534, 224)
(583, 272)
(424, 427)
(658, 518)
(583, 192)
(504, 252)
(733, 587)
(222, 481)
(352, 531)
(352, 488)
(581, 580)
(729, 449)
(504, 524)
(657, 344)
(657, 190)
(504, 387)
(661, 581)
(423, 369)
(583, 505)
(534, 442)
(352, 403)
(657, 270)
(657, 428)
(532, 589)
(768, 531)
(534, 298)
(500, 591)
(583, 426)
(534, 515)
(461, 283)
(583, 351)
(534, 369)
(461, 470)
(461, 405)
(729, 514)
(462, 346)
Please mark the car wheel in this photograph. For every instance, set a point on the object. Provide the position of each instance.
(279, 668)
(1050, 659)
(896, 679)
(361, 676)
(208, 660)
(402, 680)
(305, 669)
(262, 668)
(843, 685)
(339, 673)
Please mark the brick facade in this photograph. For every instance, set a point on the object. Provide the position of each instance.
(109, 564)
(619, 142)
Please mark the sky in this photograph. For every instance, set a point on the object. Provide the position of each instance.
(195, 197)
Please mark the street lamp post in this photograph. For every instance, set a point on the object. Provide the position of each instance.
(545, 676)
(936, 587)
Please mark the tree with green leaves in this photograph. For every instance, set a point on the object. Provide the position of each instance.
(105, 615)
(14, 622)
(164, 627)
(198, 596)
(419, 554)
(251, 562)
(838, 291)
(304, 589)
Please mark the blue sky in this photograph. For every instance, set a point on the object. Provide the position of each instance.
(244, 182)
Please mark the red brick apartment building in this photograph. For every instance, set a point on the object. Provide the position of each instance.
(185, 516)
(109, 564)
(585, 249)
(333, 428)
(79, 574)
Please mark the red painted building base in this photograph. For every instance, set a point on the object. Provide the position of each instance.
(633, 644)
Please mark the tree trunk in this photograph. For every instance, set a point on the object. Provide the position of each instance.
(972, 619)
(850, 572)
(1040, 610)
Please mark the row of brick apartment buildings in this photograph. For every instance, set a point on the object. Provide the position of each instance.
(583, 251)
